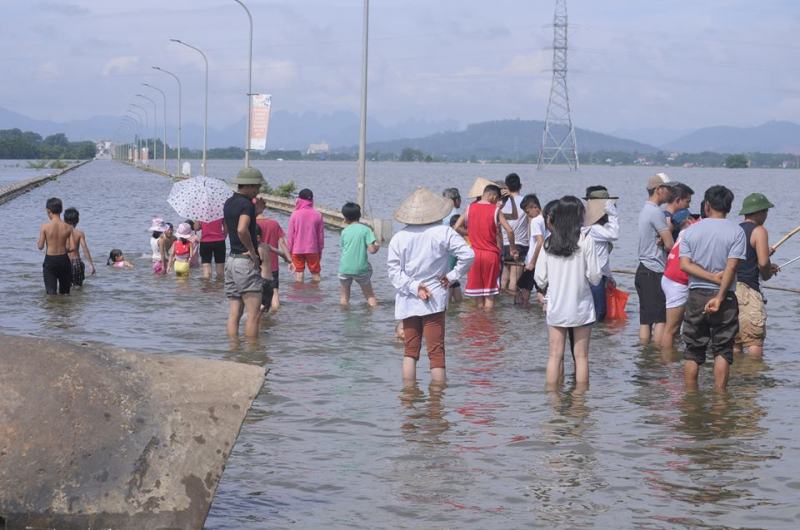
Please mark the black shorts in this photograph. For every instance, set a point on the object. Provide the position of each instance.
(276, 283)
(526, 281)
(267, 290)
(212, 248)
(652, 302)
(522, 250)
(717, 330)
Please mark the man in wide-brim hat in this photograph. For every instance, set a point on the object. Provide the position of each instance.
(243, 283)
(756, 267)
(418, 269)
(602, 224)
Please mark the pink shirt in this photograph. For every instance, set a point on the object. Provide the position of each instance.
(271, 234)
(212, 231)
(306, 231)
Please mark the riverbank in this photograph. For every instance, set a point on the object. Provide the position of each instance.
(12, 191)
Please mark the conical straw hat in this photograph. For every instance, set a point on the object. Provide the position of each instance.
(477, 188)
(423, 207)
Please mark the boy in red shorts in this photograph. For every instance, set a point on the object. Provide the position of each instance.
(306, 237)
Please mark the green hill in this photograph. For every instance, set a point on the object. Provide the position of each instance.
(503, 139)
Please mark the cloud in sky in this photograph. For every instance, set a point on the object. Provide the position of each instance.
(120, 65)
(63, 8)
(670, 63)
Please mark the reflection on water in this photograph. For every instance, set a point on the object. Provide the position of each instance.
(333, 440)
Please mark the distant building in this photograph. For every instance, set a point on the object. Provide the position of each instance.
(317, 149)
(673, 156)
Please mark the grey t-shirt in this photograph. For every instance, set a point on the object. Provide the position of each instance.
(651, 222)
(710, 243)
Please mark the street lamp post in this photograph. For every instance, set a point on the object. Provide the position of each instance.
(362, 142)
(205, 120)
(164, 96)
(146, 126)
(179, 114)
(155, 132)
(249, 88)
(138, 138)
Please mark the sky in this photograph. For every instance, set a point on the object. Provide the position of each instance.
(673, 64)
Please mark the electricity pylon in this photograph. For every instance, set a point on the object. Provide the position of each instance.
(558, 138)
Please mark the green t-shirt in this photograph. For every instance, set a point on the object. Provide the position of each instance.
(354, 241)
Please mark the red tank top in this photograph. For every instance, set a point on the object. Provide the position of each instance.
(673, 269)
(181, 249)
(482, 227)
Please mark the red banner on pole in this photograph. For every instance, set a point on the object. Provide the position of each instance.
(259, 121)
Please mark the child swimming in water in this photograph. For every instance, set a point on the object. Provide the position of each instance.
(117, 259)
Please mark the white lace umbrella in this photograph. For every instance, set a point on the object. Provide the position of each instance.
(199, 198)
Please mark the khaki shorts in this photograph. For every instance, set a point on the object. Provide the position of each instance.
(361, 279)
(241, 276)
(752, 316)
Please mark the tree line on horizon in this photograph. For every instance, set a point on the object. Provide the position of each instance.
(18, 145)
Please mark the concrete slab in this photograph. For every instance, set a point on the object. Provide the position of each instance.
(94, 437)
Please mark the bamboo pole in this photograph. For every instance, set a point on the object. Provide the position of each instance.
(785, 238)
(770, 287)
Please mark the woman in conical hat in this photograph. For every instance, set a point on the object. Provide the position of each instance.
(602, 224)
(476, 191)
(418, 269)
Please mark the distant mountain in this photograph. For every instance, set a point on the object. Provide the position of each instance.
(287, 130)
(771, 137)
(651, 135)
(505, 139)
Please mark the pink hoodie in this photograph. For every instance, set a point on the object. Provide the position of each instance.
(306, 234)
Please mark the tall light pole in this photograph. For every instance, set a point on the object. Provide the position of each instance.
(138, 124)
(179, 114)
(362, 142)
(205, 120)
(249, 88)
(146, 126)
(164, 96)
(155, 132)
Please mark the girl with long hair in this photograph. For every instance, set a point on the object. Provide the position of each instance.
(567, 267)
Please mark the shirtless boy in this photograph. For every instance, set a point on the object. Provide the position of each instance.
(56, 234)
(72, 217)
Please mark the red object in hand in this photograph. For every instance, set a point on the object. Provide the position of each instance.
(615, 304)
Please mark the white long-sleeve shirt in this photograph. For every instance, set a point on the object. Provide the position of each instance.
(569, 298)
(420, 254)
(603, 235)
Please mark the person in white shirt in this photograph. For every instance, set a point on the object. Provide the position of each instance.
(567, 267)
(533, 210)
(418, 269)
(602, 225)
(511, 273)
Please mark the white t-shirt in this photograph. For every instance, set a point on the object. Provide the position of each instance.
(520, 225)
(537, 228)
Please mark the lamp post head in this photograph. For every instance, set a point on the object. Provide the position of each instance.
(176, 40)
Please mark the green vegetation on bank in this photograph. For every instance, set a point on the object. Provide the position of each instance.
(18, 145)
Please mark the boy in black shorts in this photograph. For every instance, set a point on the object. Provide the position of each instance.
(710, 253)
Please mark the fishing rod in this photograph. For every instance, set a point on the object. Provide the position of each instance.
(784, 239)
(788, 262)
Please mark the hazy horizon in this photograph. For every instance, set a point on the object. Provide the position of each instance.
(671, 65)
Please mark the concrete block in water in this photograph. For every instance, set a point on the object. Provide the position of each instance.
(94, 437)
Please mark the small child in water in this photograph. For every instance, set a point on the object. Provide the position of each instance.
(117, 259)
(182, 251)
(56, 234)
(72, 217)
(357, 241)
(268, 283)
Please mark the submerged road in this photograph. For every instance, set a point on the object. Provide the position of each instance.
(333, 440)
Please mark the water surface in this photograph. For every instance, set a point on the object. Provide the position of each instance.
(334, 440)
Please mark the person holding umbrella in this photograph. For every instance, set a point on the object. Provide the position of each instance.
(243, 282)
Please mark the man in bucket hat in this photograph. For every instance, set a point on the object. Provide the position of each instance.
(418, 269)
(243, 270)
(755, 268)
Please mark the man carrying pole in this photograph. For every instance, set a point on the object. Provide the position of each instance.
(756, 267)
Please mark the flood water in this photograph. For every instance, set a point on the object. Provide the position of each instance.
(335, 441)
